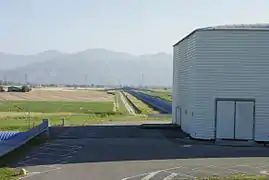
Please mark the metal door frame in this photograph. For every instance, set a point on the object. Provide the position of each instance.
(235, 100)
(179, 108)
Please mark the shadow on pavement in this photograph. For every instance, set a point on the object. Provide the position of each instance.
(103, 143)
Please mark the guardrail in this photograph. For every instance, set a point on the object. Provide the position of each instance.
(5, 135)
(154, 102)
(13, 142)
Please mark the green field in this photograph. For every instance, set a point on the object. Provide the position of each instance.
(14, 114)
(56, 107)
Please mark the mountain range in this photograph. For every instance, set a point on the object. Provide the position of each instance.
(92, 66)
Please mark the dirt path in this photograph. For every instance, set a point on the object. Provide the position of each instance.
(127, 105)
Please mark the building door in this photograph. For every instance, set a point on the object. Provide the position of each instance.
(178, 116)
(235, 119)
(225, 120)
(244, 120)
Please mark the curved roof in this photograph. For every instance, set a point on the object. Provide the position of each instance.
(262, 27)
(239, 26)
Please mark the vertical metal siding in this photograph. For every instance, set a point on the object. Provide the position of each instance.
(175, 91)
(184, 55)
(231, 64)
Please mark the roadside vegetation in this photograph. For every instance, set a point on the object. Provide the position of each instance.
(120, 105)
(19, 122)
(237, 177)
(8, 174)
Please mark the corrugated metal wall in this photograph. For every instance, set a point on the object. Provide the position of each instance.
(176, 90)
(230, 64)
(184, 55)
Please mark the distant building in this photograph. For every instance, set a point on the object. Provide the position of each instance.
(13, 89)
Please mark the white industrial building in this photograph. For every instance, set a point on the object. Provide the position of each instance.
(221, 83)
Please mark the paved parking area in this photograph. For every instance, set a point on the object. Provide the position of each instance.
(131, 153)
(209, 167)
(49, 153)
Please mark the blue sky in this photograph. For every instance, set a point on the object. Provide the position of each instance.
(134, 26)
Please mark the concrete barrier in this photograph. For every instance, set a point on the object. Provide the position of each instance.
(22, 138)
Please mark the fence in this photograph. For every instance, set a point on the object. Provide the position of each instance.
(155, 102)
(12, 142)
(5, 135)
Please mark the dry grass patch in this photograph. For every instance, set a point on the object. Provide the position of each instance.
(59, 95)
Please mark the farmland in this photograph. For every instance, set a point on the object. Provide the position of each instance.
(77, 107)
(57, 95)
(161, 95)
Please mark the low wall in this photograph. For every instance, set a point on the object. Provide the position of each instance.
(20, 139)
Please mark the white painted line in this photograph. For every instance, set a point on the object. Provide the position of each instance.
(242, 165)
(67, 154)
(54, 149)
(187, 146)
(64, 161)
(238, 171)
(45, 153)
(150, 175)
(182, 174)
(171, 176)
(142, 174)
(263, 166)
(130, 177)
(35, 173)
(264, 172)
(63, 145)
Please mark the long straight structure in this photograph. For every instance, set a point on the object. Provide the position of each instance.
(221, 83)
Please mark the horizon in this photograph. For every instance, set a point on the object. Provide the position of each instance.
(134, 27)
(55, 50)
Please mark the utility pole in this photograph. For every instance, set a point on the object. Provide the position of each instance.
(5, 80)
(26, 78)
(86, 79)
(29, 119)
(142, 79)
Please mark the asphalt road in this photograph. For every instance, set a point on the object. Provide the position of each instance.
(130, 153)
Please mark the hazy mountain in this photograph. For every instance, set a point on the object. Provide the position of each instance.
(93, 66)
(11, 61)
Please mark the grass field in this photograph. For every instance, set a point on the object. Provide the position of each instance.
(58, 95)
(14, 114)
(56, 106)
(61, 105)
